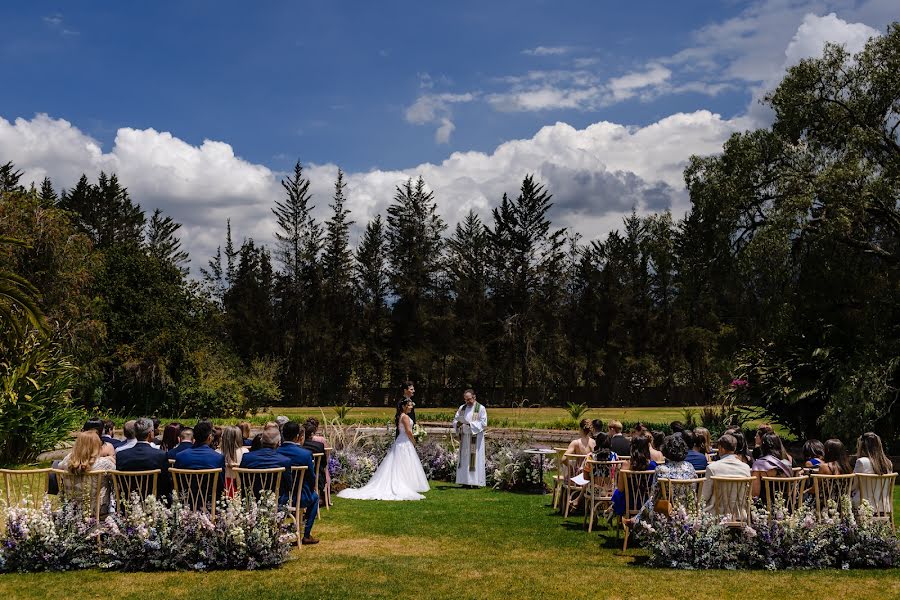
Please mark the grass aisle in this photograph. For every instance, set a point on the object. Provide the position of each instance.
(456, 544)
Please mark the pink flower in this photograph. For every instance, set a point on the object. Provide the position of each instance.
(736, 383)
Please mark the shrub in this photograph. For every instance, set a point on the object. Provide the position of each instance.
(508, 467)
(36, 410)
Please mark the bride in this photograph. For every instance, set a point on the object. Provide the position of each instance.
(400, 475)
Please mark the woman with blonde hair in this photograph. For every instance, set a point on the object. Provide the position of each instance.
(870, 456)
(233, 449)
(86, 457)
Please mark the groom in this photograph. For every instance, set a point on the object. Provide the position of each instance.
(469, 423)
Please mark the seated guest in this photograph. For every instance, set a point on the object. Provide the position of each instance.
(315, 447)
(813, 453)
(318, 437)
(268, 457)
(157, 435)
(656, 441)
(728, 465)
(143, 457)
(675, 450)
(245, 432)
(761, 431)
(584, 444)
(770, 463)
(299, 456)
(618, 443)
(280, 420)
(217, 437)
(170, 436)
(596, 429)
(638, 461)
(97, 426)
(128, 432)
(602, 451)
(233, 449)
(256, 442)
(185, 441)
(677, 427)
(200, 456)
(696, 455)
(702, 442)
(835, 460)
(741, 451)
(86, 456)
(107, 437)
(871, 459)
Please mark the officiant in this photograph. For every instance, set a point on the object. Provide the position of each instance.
(469, 424)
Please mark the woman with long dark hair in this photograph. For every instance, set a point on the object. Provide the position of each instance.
(836, 461)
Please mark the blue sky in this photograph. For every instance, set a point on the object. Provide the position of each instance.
(329, 81)
(201, 107)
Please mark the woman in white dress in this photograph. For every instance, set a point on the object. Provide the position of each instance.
(400, 475)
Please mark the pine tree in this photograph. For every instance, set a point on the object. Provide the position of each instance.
(162, 242)
(105, 211)
(48, 194)
(371, 283)
(9, 179)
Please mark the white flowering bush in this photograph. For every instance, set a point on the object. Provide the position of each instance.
(839, 539)
(147, 536)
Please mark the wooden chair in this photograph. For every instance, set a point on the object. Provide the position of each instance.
(682, 492)
(637, 492)
(89, 491)
(789, 489)
(253, 482)
(831, 487)
(731, 499)
(878, 490)
(198, 489)
(127, 483)
(295, 511)
(317, 461)
(599, 490)
(328, 452)
(26, 485)
(558, 478)
(171, 462)
(572, 465)
(701, 473)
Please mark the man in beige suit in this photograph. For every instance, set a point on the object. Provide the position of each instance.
(728, 465)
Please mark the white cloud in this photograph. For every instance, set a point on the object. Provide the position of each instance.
(596, 174)
(435, 109)
(547, 51)
(625, 87)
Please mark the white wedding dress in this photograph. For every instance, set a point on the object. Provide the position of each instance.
(400, 475)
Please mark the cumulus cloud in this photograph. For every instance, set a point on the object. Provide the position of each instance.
(597, 174)
(435, 109)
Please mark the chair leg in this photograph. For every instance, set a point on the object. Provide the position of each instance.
(593, 516)
(627, 533)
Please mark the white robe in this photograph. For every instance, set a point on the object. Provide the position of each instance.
(466, 423)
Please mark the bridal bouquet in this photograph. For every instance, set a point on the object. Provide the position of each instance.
(419, 432)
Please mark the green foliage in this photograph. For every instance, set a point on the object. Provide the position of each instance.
(36, 410)
(219, 386)
(576, 410)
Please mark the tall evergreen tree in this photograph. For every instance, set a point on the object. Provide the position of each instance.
(162, 242)
(47, 194)
(105, 211)
(371, 283)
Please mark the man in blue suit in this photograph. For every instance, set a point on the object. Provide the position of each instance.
(201, 456)
(185, 441)
(268, 457)
(144, 457)
(301, 457)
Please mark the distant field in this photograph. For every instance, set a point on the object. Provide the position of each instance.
(526, 418)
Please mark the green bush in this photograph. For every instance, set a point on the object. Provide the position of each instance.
(36, 410)
(219, 387)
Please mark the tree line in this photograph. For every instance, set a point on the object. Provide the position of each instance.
(783, 274)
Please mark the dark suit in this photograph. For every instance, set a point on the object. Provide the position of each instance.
(317, 448)
(620, 444)
(144, 457)
(180, 447)
(202, 457)
(309, 499)
(269, 458)
(111, 440)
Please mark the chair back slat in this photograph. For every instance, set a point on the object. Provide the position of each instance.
(603, 474)
(682, 492)
(786, 490)
(295, 511)
(731, 498)
(90, 491)
(197, 488)
(317, 457)
(831, 488)
(21, 486)
(253, 482)
(878, 490)
(127, 484)
(637, 490)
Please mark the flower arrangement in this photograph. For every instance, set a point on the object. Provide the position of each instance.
(507, 467)
(147, 536)
(419, 432)
(838, 539)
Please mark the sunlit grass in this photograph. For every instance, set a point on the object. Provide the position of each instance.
(457, 544)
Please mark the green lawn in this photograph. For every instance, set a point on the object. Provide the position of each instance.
(457, 544)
